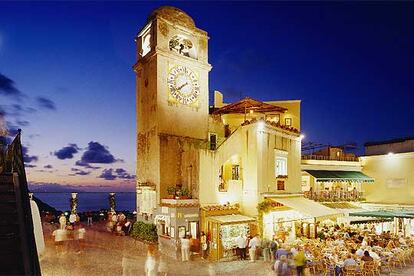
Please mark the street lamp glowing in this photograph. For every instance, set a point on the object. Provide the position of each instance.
(302, 136)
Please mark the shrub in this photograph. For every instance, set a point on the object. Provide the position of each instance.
(144, 231)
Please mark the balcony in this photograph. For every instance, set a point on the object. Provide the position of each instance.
(332, 196)
(329, 158)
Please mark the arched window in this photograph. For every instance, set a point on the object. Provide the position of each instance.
(183, 46)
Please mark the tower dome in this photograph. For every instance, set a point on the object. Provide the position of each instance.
(174, 15)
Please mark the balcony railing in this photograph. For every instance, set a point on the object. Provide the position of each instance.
(332, 196)
(323, 157)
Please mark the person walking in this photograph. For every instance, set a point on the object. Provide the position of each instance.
(274, 246)
(282, 267)
(252, 248)
(185, 249)
(62, 221)
(203, 242)
(89, 214)
(300, 261)
(241, 246)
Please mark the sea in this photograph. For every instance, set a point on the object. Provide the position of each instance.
(88, 201)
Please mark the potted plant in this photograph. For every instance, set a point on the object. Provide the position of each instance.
(171, 192)
(185, 193)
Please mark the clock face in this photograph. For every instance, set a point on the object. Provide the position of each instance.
(183, 85)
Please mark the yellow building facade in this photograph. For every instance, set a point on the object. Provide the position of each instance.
(229, 158)
(393, 178)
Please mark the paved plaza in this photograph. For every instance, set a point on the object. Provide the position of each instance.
(104, 253)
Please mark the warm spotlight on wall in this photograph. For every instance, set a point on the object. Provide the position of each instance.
(261, 126)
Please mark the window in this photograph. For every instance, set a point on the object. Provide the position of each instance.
(193, 227)
(213, 141)
(281, 166)
(274, 118)
(146, 201)
(146, 44)
(182, 46)
(222, 186)
(288, 121)
(235, 172)
(280, 185)
(281, 163)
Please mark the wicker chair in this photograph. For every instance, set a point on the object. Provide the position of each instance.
(369, 268)
(396, 260)
(386, 263)
(328, 268)
(351, 270)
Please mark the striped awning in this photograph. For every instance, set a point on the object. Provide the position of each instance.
(327, 176)
(382, 214)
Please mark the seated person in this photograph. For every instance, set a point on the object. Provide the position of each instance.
(367, 257)
(349, 261)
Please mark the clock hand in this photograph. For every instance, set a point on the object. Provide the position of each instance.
(179, 88)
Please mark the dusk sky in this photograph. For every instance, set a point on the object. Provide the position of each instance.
(66, 75)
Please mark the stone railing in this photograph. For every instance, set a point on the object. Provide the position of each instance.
(323, 157)
(332, 196)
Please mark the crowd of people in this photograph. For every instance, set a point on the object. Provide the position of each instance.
(336, 250)
(339, 249)
(118, 223)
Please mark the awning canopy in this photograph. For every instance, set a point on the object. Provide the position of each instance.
(362, 220)
(324, 176)
(231, 219)
(382, 214)
(308, 207)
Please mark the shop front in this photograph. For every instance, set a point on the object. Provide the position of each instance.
(287, 224)
(176, 219)
(293, 216)
(223, 231)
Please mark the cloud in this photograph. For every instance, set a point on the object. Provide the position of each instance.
(123, 174)
(66, 152)
(46, 103)
(112, 174)
(86, 165)
(22, 123)
(28, 158)
(79, 172)
(48, 167)
(107, 174)
(60, 187)
(97, 153)
(8, 87)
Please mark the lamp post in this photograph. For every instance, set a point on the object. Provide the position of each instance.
(73, 203)
(112, 203)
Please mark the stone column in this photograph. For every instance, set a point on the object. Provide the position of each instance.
(73, 203)
(112, 202)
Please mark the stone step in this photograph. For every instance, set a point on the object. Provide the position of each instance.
(7, 196)
(9, 229)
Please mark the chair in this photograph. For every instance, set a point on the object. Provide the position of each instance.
(368, 268)
(328, 268)
(396, 260)
(386, 263)
(351, 270)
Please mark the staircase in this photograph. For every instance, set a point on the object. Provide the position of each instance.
(10, 238)
(18, 254)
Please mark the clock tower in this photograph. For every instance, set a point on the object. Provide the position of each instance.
(172, 105)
